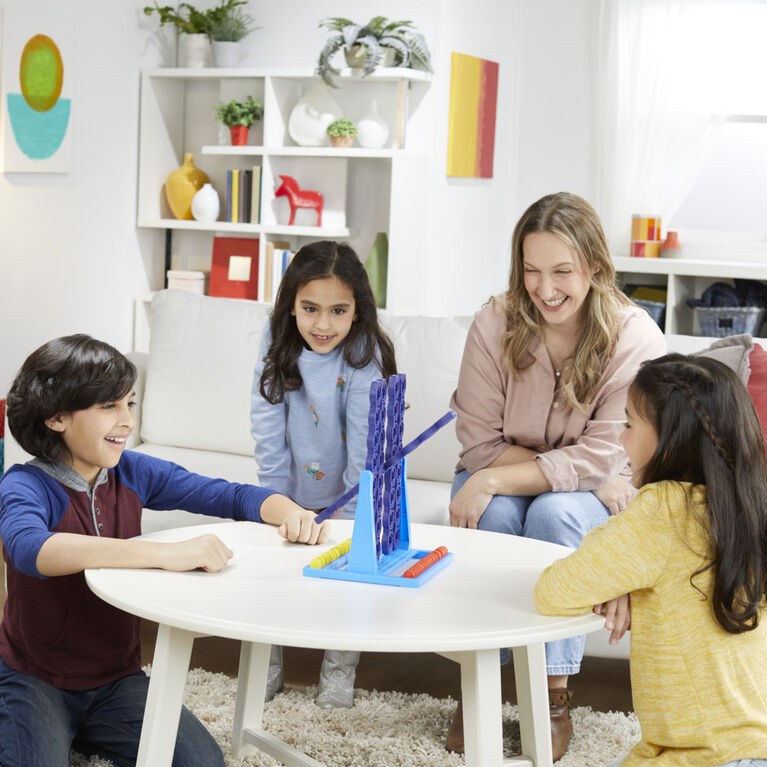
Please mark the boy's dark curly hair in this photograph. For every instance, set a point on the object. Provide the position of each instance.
(67, 374)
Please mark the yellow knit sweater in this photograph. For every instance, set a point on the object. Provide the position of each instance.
(700, 693)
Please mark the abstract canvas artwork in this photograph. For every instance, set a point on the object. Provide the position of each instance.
(234, 268)
(36, 107)
(473, 98)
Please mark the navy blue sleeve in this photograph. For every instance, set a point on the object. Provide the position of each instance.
(31, 505)
(163, 485)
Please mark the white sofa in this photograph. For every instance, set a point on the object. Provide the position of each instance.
(194, 398)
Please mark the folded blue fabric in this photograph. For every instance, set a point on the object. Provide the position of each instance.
(745, 293)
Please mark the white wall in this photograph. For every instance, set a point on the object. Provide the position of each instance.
(542, 138)
(71, 258)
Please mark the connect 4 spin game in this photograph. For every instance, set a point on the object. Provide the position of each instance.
(379, 549)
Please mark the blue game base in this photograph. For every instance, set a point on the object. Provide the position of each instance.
(361, 562)
(390, 569)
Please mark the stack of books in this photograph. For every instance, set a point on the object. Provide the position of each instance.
(243, 195)
(278, 255)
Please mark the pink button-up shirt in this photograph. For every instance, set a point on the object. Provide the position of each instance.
(577, 450)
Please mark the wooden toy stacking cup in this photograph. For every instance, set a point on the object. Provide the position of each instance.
(645, 236)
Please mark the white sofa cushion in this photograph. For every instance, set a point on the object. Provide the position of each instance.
(201, 356)
(429, 351)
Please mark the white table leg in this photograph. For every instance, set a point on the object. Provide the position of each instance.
(251, 688)
(533, 702)
(170, 665)
(482, 718)
(248, 735)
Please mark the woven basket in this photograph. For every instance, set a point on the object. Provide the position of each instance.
(656, 309)
(720, 321)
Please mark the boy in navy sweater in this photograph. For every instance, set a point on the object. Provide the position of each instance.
(70, 664)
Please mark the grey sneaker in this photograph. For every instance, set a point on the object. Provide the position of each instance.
(274, 677)
(336, 687)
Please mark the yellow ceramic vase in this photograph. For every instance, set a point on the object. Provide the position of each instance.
(182, 185)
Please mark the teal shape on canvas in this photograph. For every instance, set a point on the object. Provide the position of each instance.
(38, 134)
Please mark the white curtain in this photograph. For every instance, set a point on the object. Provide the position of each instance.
(659, 106)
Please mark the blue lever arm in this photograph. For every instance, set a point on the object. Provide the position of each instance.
(406, 450)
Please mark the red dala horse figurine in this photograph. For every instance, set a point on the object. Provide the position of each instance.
(299, 198)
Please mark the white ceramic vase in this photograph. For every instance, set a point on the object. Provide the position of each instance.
(226, 53)
(206, 205)
(194, 51)
(311, 116)
(372, 130)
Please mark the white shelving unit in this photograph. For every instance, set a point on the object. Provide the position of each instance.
(683, 278)
(366, 191)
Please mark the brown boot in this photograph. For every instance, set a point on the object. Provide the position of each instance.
(561, 723)
(454, 739)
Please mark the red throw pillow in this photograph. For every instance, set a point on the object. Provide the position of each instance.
(757, 384)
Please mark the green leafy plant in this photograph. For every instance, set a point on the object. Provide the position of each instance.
(187, 19)
(230, 23)
(227, 21)
(239, 112)
(342, 127)
(375, 37)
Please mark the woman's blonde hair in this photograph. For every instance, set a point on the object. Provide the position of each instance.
(576, 223)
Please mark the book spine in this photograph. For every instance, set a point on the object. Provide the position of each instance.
(255, 198)
(246, 183)
(229, 195)
(235, 196)
(268, 267)
(276, 272)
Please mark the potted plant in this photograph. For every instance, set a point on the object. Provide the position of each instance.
(342, 132)
(380, 42)
(238, 116)
(193, 27)
(229, 24)
(197, 28)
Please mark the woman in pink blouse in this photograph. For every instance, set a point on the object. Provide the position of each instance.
(540, 403)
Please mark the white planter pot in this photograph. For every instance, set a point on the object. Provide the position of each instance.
(205, 204)
(226, 53)
(372, 130)
(311, 116)
(355, 58)
(194, 51)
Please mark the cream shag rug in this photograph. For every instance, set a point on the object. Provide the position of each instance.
(384, 729)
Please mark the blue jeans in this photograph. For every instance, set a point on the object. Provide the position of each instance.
(40, 723)
(739, 763)
(562, 518)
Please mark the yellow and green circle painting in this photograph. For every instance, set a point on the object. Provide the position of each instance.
(41, 73)
(39, 116)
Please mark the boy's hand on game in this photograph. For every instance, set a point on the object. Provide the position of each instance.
(299, 527)
(617, 614)
(206, 552)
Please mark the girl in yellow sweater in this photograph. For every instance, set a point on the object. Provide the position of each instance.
(689, 555)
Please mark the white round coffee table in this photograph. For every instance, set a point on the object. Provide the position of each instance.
(481, 602)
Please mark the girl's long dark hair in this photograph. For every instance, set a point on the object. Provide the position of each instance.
(366, 340)
(709, 434)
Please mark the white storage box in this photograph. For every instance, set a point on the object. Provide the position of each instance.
(179, 279)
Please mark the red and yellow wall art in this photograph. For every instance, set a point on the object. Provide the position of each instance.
(473, 98)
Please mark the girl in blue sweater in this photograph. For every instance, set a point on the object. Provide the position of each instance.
(310, 403)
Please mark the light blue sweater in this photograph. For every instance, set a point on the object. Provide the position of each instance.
(312, 446)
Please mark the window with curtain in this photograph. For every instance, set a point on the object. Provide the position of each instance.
(728, 198)
(682, 122)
